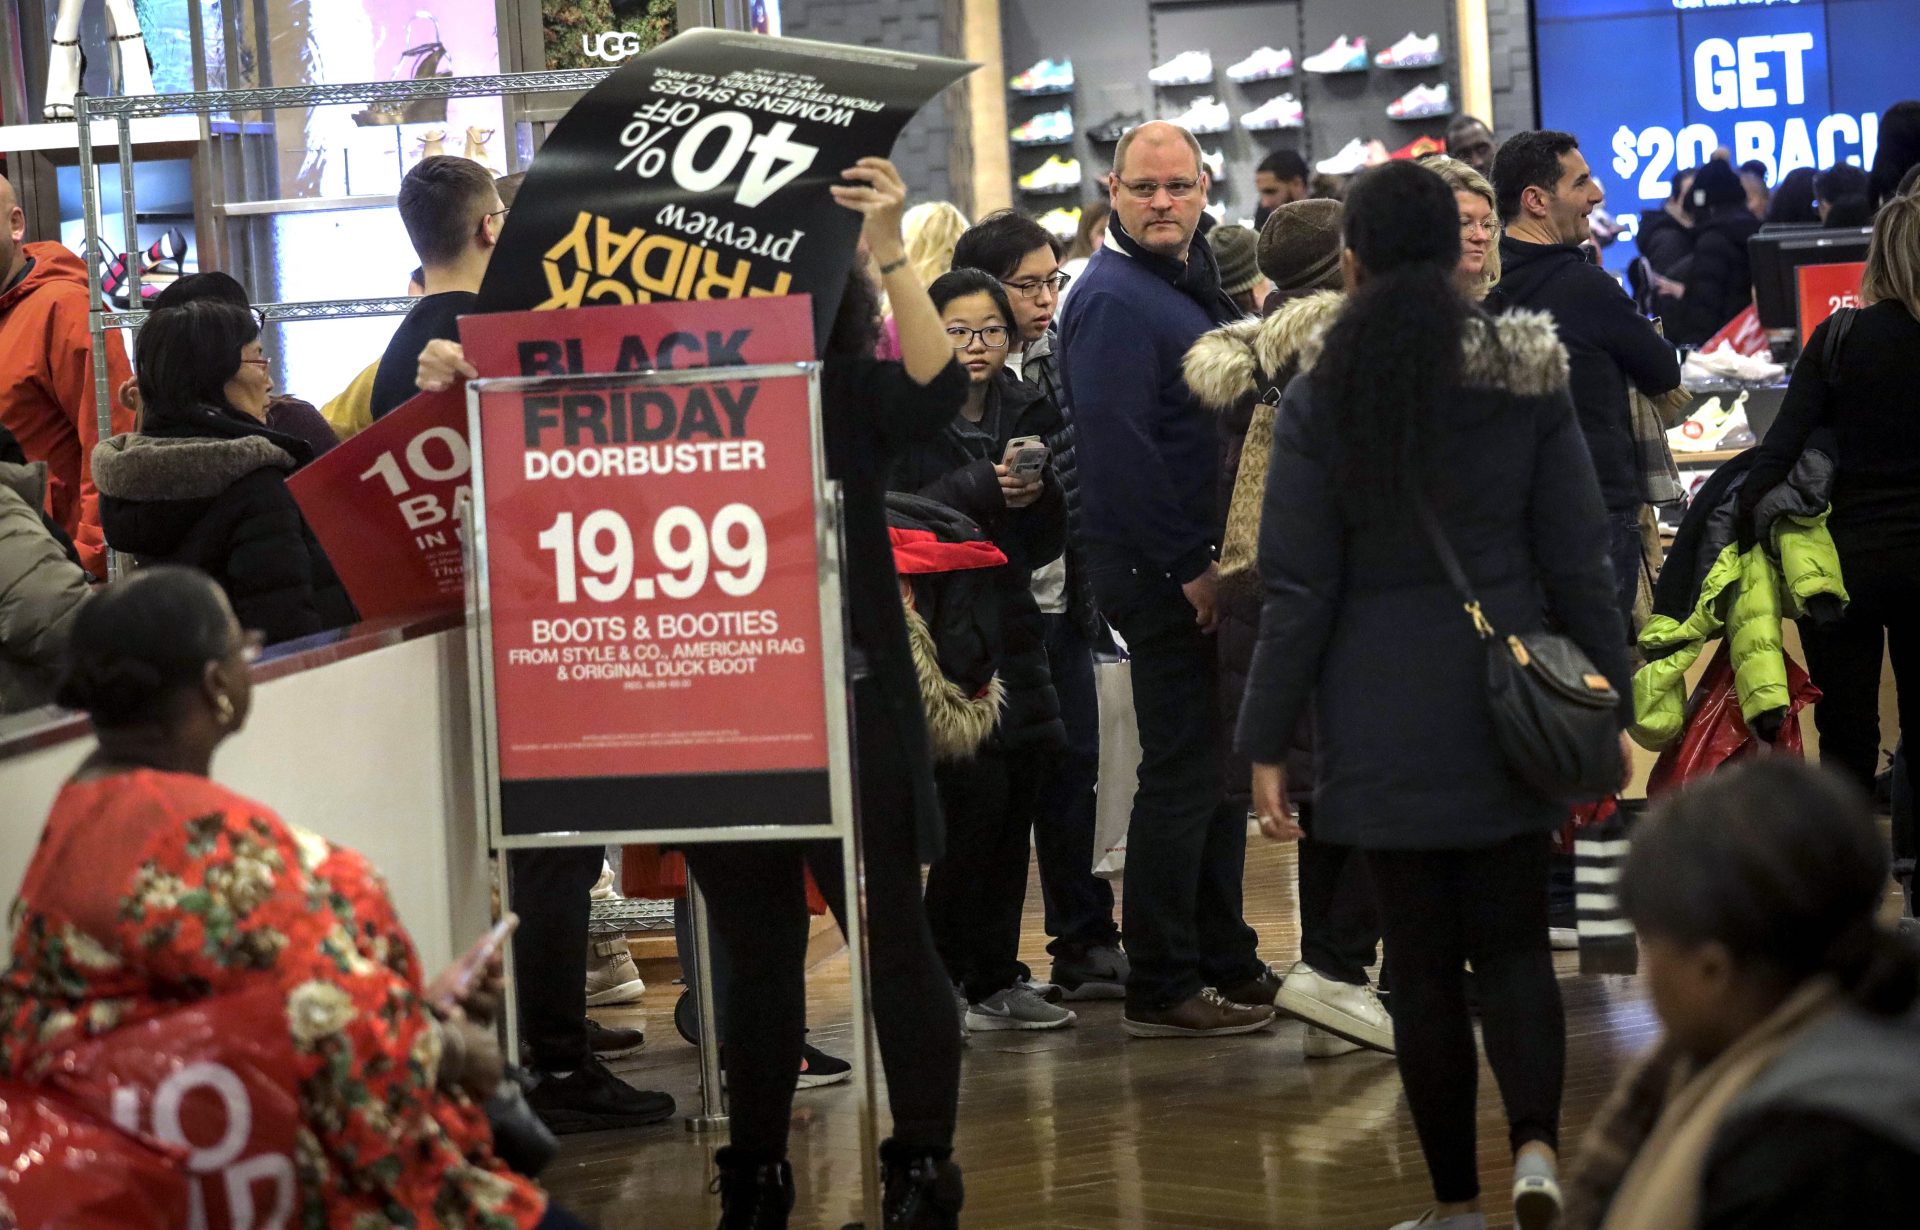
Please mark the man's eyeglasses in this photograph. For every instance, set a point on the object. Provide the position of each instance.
(1031, 290)
(499, 213)
(1146, 189)
(993, 337)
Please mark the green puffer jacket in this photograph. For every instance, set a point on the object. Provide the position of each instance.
(1744, 595)
(41, 590)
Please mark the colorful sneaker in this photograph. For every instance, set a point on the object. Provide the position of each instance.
(1056, 174)
(1263, 65)
(1411, 52)
(1206, 115)
(1187, 68)
(1283, 111)
(1047, 128)
(1420, 147)
(1344, 56)
(1351, 159)
(1046, 77)
(1017, 1007)
(1064, 223)
(1422, 102)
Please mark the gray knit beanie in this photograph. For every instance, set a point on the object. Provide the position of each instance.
(1300, 246)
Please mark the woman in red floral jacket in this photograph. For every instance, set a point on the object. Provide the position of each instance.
(154, 886)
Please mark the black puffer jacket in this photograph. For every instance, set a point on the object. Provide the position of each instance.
(1042, 370)
(1720, 279)
(222, 505)
(956, 468)
(1237, 371)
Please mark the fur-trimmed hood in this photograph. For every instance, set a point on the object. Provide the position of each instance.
(1232, 363)
(139, 467)
(1518, 352)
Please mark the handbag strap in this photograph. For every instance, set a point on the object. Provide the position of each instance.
(1455, 573)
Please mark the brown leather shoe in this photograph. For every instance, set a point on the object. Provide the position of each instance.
(1206, 1015)
(1256, 991)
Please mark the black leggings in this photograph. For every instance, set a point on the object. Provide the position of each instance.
(1882, 622)
(757, 906)
(1440, 909)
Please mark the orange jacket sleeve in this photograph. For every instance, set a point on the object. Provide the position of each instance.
(72, 374)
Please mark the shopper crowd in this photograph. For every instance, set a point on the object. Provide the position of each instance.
(1258, 465)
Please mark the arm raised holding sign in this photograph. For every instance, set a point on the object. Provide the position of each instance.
(878, 196)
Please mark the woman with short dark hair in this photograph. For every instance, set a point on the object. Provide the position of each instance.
(1786, 1092)
(154, 887)
(204, 480)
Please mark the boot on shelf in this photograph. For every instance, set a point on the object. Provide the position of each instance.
(477, 141)
(431, 143)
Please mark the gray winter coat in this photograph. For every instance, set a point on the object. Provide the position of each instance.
(41, 591)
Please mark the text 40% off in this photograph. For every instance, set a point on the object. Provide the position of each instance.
(707, 151)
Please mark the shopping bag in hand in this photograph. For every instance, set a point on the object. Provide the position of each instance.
(1715, 731)
(1119, 766)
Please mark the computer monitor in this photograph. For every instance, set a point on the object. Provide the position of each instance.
(1778, 255)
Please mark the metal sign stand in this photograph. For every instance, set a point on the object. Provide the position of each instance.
(843, 827)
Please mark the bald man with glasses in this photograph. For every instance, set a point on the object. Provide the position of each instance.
(1149, 464)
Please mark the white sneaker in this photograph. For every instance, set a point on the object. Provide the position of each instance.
(1411, 52)
(1351, 159)
(1017, 1007)
(1563, 939)
(1459, 1221)
(612, 977)
(1344, 56)
(1187, 68)
(1215, 160)
(1319, 1044)
(1422, 102)
(1351, 1012)
(1536, 1193)
(1063, 223)
(1204, 116)
(1263, 65)
(1218, 211)
(1283, 111)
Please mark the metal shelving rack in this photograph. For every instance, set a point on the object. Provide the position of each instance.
(124, 110)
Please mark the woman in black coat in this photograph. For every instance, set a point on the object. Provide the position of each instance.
(1719, 281)
(1857, 377)
(975, 892)
(871, 412)
(1418, 399)
(204, 480)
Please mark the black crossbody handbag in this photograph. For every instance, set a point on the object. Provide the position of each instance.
(1553, 713)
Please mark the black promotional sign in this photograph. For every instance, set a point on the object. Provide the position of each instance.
(700, 171)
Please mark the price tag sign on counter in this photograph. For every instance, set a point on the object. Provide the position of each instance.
(661, 631)
(1825, 289)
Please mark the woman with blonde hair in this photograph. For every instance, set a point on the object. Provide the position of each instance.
(931, 229)
(1855, 378)
(1479, 265)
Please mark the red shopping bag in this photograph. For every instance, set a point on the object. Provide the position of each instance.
(63, 1169)
(655, 873)
(1716, 733)
(213, 1082)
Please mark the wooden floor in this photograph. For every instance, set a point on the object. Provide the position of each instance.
(1085, 1129)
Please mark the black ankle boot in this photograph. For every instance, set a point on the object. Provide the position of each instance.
(922, 1188)
(755, 1193)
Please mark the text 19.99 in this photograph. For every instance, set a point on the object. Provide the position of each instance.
(732, 550)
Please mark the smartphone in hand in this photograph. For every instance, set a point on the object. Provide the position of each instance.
(1025, 457)
(451, 986)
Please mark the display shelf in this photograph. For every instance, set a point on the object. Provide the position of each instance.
(332, 94)
(1718, 456)
(305, 205)
(326, 309)
(173, 130)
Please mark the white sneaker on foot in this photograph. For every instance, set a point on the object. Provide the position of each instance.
(1536, 1193)
(1319, 1044)
(1347, 1011)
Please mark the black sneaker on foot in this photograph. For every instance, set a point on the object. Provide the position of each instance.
(818, 1068)
(593, 1099)
(1100, 972)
